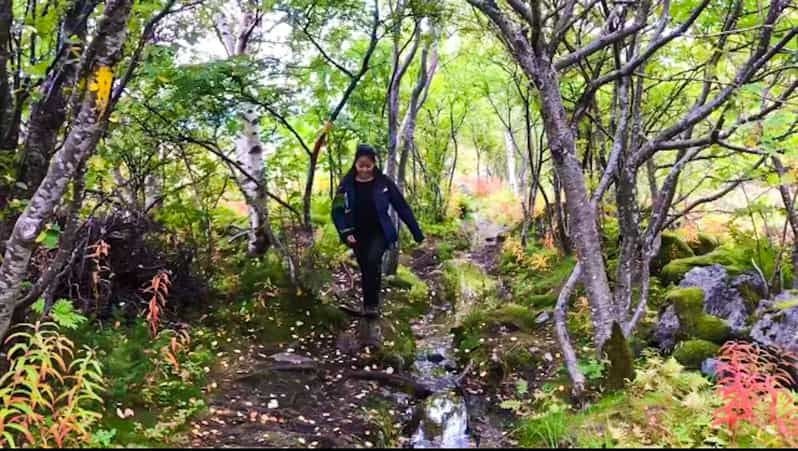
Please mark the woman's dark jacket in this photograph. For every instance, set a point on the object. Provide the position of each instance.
(385, 193)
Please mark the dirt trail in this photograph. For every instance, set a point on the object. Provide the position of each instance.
(299, 394)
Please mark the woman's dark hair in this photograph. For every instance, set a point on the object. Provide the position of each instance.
(363, 150)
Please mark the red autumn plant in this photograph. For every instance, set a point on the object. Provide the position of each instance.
(159, 289)
(753, 386)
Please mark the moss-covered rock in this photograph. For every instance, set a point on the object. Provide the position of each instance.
(672, 248)
(693, 322)
(418, 291)
(621, 367)
(735, 261)
(519, 316)
(687, 301)
(692, 352)
(468, 286)
(703, 244)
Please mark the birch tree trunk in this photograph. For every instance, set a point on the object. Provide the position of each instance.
(249, 149)
(100, 58)
(509, 152)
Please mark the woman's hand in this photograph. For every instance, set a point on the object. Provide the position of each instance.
(351, 241)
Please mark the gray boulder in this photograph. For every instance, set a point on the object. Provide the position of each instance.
(778, 326)
(664, 335)
(721, 299)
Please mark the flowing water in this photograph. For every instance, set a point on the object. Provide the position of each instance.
(444, 414)
(444, 418)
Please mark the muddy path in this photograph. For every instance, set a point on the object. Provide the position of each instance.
(325, 389)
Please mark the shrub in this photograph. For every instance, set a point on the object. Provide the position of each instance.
(757, 409)
(47, 401)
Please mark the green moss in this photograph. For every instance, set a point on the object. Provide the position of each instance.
(734, 260)
(542, 300)
(463, 279)
(467, 334)
(672, 248)
(519, 316)
(687, 301)
(621, 366)
(538, 288)
(693, 322)
(692, 352)
(418, 292)
(711, 328)
(703, 244)
(444, 251)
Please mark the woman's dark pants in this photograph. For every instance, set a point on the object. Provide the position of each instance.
(369, 251)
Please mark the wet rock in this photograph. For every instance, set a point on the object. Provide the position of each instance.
(548, 357)
(763, 307)
(778, 326)
(542, 318)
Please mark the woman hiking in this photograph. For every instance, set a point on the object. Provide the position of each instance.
(360, 213)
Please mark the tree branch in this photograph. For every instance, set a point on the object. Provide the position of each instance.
(712, 197)
(324, 54)
(146, 35)
(605, 40)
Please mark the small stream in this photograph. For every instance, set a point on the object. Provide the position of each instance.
(443, 418)
(443, 415)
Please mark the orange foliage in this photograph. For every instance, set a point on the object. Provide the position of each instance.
(159, 288)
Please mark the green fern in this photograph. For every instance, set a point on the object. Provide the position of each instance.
(62, 313)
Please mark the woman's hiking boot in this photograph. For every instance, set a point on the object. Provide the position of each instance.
(370, 333)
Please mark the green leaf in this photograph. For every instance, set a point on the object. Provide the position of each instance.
(64, 314)
(49, 236)
(521, 387)
(786, 304)
(38, 306)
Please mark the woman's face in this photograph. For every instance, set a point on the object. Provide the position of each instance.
(364, 167)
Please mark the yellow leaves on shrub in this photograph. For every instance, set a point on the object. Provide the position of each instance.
(540, 262)
(103, 78)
